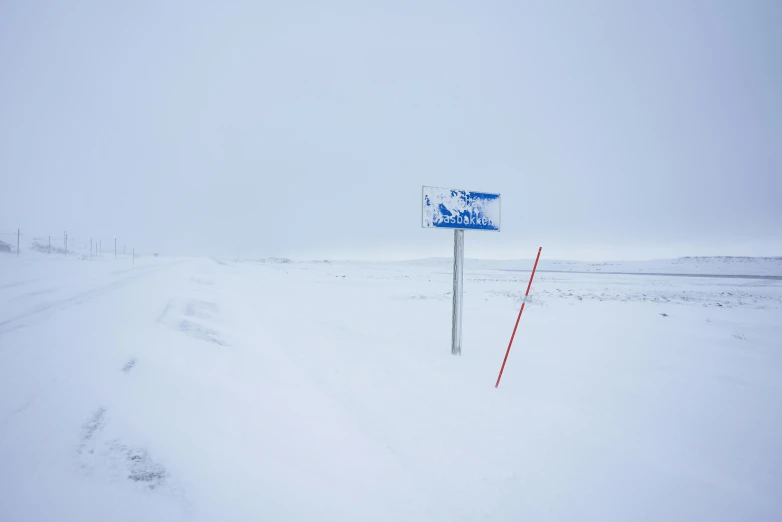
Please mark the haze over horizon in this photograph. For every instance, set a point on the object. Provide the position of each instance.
(613, 130)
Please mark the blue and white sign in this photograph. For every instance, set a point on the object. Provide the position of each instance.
(460, 209)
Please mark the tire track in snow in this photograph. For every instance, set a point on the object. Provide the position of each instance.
(17, 322)
(18, 283)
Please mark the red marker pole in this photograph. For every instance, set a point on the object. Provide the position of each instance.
(507, 352)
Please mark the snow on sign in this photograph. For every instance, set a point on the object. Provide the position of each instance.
(460, 209)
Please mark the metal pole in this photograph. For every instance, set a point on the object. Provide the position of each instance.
(458, 286)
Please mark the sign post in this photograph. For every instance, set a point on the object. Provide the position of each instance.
(458, 285)
(459, 210)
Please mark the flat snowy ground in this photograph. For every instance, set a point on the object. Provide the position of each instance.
(190, 389)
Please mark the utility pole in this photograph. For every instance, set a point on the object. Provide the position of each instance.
(18, 233)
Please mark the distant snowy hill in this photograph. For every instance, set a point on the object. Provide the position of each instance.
(724, 265)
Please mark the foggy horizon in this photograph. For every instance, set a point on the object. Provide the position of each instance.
(613, 131)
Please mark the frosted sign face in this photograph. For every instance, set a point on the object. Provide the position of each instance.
(449, 208)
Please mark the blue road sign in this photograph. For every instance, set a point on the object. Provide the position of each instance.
(460, 209)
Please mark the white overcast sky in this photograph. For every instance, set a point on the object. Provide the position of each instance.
(613, 130)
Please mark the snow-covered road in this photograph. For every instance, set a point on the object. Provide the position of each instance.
(192, 389)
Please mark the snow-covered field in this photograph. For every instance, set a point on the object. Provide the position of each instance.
(194, 389)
